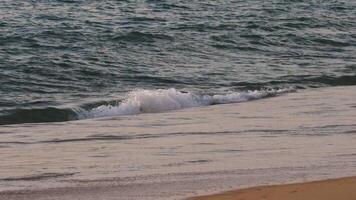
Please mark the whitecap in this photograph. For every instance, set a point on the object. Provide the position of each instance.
(152, 101)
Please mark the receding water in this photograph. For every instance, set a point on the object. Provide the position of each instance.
(63, 59)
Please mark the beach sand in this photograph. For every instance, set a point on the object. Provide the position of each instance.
(333, 189)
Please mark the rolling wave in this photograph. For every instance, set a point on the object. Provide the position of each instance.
(136, 102)
(152, 101)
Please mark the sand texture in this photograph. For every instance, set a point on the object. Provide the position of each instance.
(334, 189)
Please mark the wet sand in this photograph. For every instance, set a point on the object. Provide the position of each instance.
(298, 137)
(333, 189)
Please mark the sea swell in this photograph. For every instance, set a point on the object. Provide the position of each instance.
(135, 102)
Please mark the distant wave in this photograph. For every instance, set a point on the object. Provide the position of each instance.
(152, 101)
(137, 37)
(135, 102)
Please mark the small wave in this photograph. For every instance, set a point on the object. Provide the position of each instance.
(38, 177)
(135, 102)
(38, 115)
(137, 37)
(152, 101)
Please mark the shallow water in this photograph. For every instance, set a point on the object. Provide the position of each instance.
(293, 137)
(59, 58)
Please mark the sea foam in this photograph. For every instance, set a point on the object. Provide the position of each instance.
(152, 101)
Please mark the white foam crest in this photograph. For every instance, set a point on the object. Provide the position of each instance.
(151, 101)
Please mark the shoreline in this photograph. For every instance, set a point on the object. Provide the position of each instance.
(298, 137)
(329, 189)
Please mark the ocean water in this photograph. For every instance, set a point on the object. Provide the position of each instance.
(137, 99)
(64, 60)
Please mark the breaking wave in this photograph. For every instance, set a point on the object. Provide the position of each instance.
(152, 101)
(135, 102)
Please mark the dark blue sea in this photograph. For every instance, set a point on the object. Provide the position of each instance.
(64, 60)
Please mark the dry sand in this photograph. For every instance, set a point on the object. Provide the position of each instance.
(333, 189)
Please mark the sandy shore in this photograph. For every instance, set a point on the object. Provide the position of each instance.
(340, 189)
